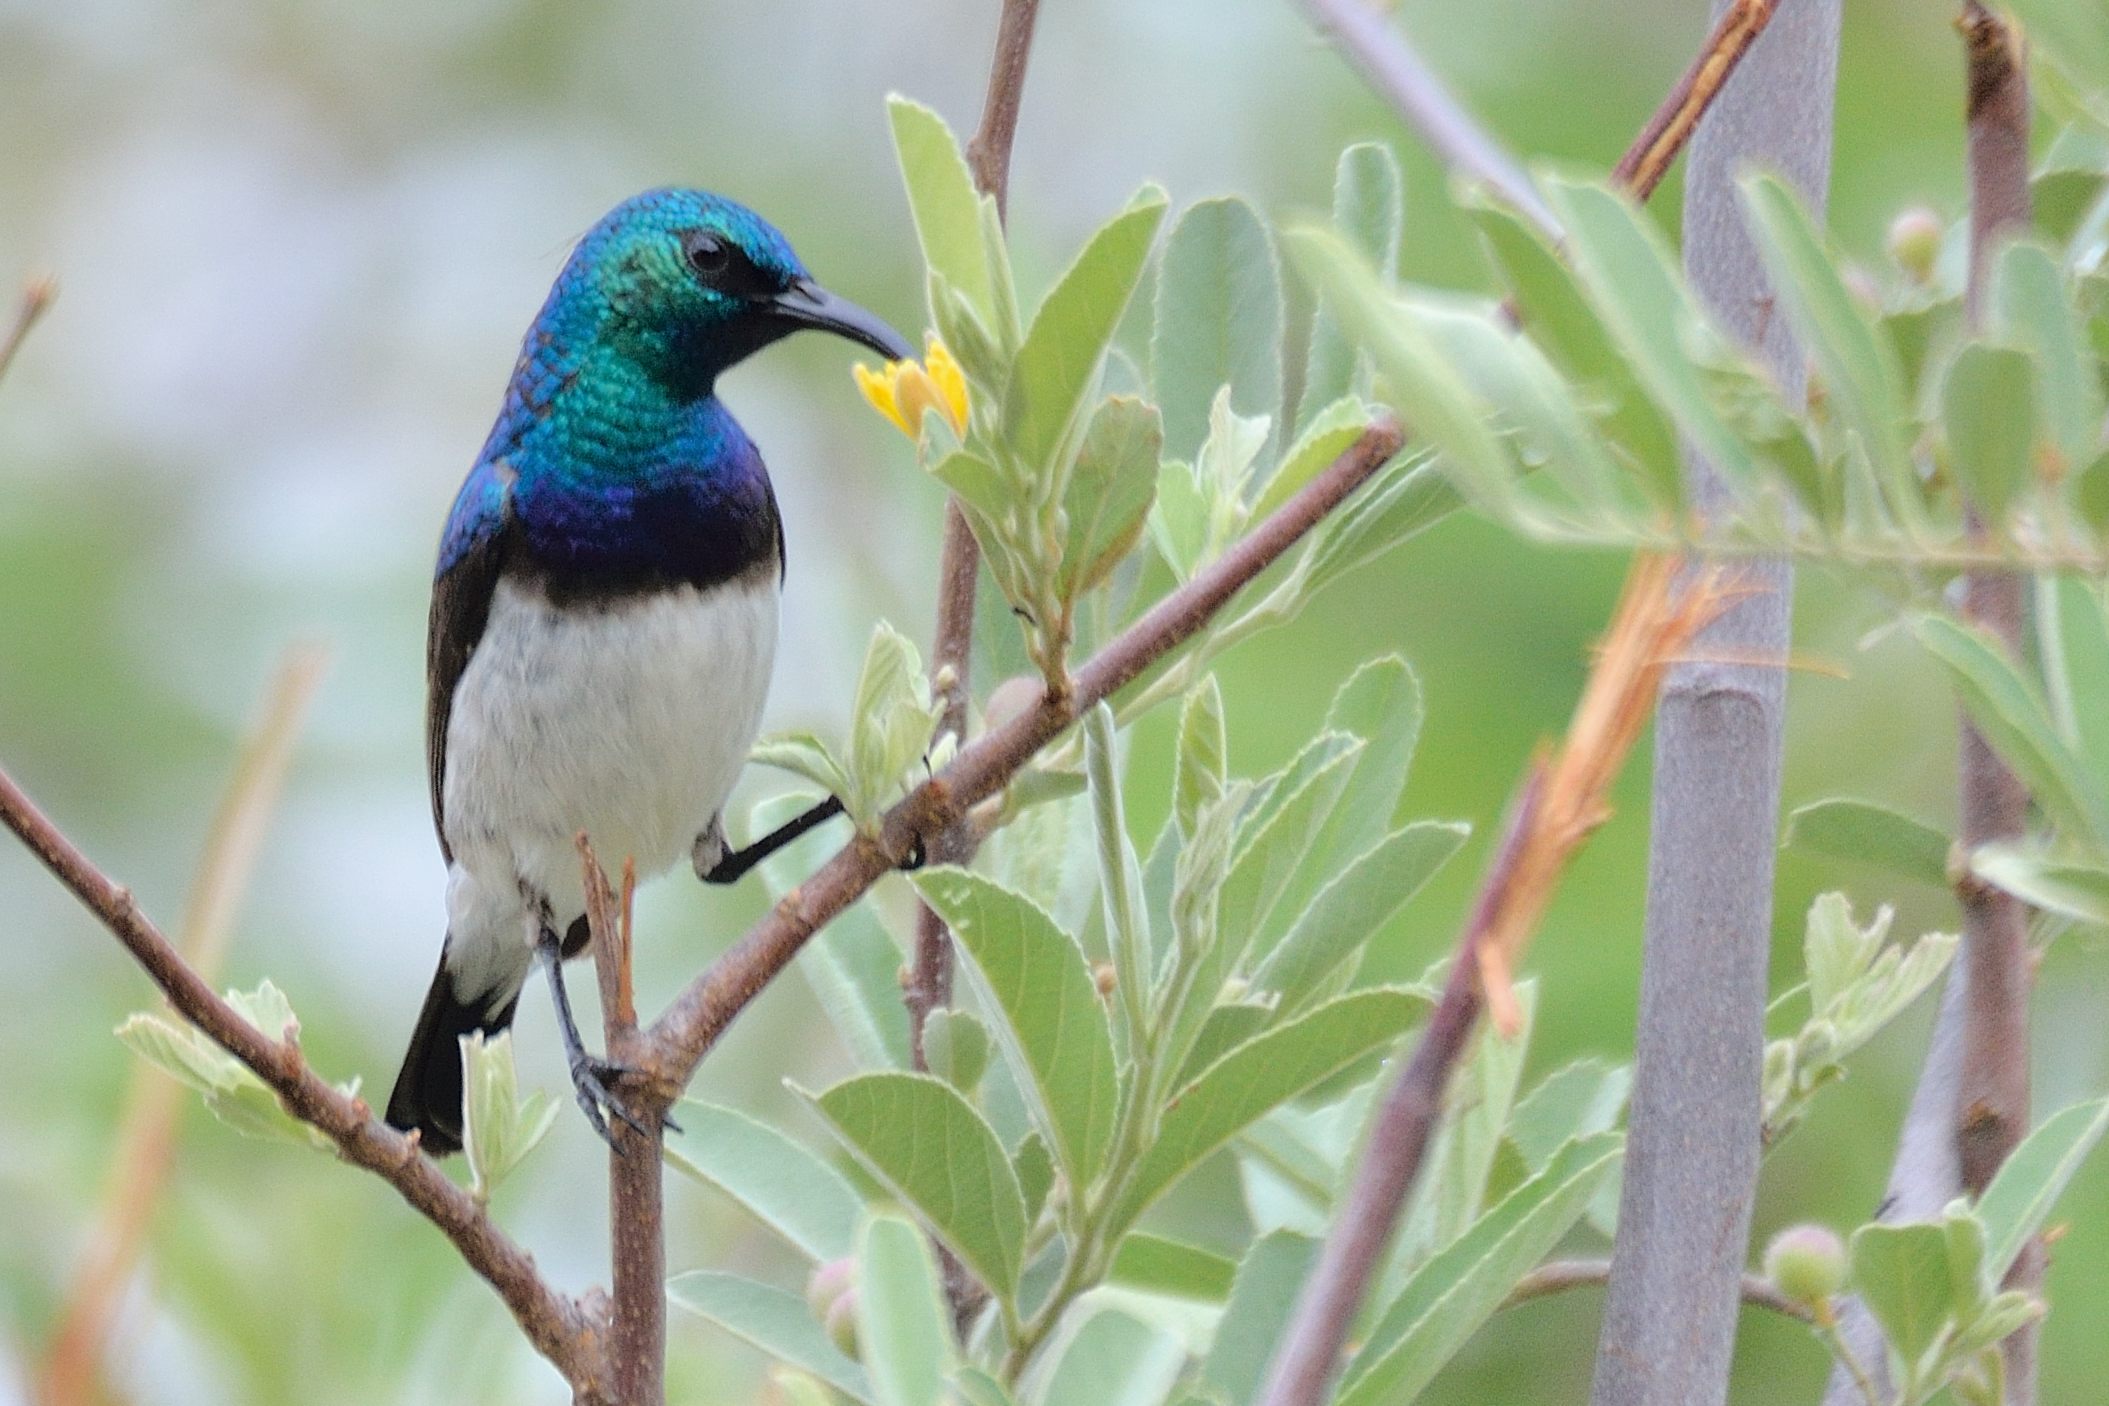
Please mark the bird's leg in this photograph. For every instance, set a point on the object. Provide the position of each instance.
(733, 866)
(589, 1075)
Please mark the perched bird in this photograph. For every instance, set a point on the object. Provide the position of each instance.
(604, 614)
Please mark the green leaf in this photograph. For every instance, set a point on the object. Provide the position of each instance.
(1852, 356)
(1449, 1297)
(1369, 211)
(2014, 1207)
(1110, 490)
(1476, 1111)
(1034, 1165)
(1203, 752)
(942, 197)
(231, 1090)
(1054, 1027)
(2069, 888)
(1127, 914)
(775, 1321)
(1179, 519)
(1258, 1075)
(499, 1128)
(1556, 313)
(1070, 333)
(1111, 1359)
(978, 1388)
(1901, 1274)
(778, 1179)
(2010, 712)
(2035, 310)
(1988, 407)
(1219, 320)
(904, 1330)
(1407, 497)
(1381, 704)
(2073, 639)
(805, 755)
(1330, 433)
(1865, 833)
(891, 720)
(1349, 911)
(1634, 285)
(956, 1047)
(930, 1148)
(1160, 1266)
(1261, 1299)
(1424, 383)
(1277, 834)
(1576, 1100)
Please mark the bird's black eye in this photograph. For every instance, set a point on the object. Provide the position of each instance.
(707, 254)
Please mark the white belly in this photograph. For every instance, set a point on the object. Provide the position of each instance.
(629, 721)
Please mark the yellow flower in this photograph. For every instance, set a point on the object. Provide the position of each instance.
(903, 390)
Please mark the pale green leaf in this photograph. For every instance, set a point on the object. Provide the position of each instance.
(1369, 211)
(1158, 1265)
(1069, 334)
(1350, 910)
(2035, 310)
(1449, 1297)
(1261, 1299)
(2069, 888)
(1110, 1358)
(942, 198)
(2019, 1200)
(1988, 408)
(932, 1150)
(2009, 710)
(1218, 320)
(904, 1329)
(1865, 833)
(777, 1322)
(1109, 493)
(1054, 1027)
(1257, 1076)
(778, 1179)
(1901, 1274)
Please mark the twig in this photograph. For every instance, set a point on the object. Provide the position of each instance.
(1653, 152)
(37, 294)
(678, 1040)
(959, 562)
(1992, 1106)
(636, 1189)
(558, 1326)
(1562, 799)
(1558, 1276)
(1693, 1134)
(153, 1107)
(1390, 65)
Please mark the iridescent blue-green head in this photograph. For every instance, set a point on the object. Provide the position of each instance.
(684, 284)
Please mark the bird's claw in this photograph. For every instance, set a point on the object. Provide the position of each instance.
(916, 857)
(591, 1081)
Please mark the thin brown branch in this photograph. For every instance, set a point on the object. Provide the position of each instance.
(636, 1189)
(1558, 1276)
(1389, 64)
(37, 294)
(959, 563)
(1992, 1108)
(1655, 150)
(559, 1327)
(146, 1142)
(678, 1040)
(1562, 799)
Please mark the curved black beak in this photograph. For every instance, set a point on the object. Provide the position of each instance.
(807, 304)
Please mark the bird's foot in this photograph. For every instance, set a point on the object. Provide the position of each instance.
(594, 1082)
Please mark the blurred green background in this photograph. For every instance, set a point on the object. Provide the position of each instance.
(298, 240)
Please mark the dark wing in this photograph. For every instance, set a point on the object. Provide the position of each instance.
(461, 606)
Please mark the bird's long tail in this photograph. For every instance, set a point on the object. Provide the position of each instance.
(427, 1093)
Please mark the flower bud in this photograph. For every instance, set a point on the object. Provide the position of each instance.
(1105, 978)
(1807, 1262)
(841, 1323)
(1915, 242)
(829, 1281)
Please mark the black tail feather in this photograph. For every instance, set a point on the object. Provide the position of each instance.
(427, 1093)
